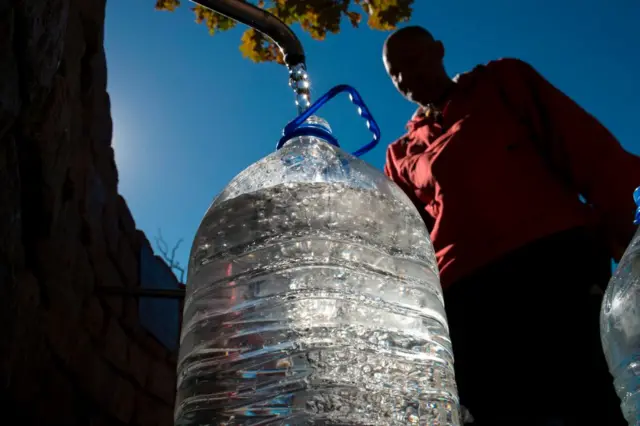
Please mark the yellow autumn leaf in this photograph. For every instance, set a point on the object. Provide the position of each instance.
(316, 17)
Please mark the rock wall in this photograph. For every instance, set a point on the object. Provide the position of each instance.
(69, 356)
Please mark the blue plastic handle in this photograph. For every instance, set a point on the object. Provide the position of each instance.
(636, 198)
(294, 128)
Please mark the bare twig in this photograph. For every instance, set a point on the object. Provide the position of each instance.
(171, 260)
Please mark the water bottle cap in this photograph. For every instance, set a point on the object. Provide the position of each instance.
(313, 126)
(315, 121)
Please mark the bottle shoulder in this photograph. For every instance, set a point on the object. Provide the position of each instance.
(310, 160)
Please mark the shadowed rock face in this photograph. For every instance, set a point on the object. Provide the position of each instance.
(69, 356)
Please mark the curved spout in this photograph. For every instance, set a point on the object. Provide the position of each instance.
(276, 30)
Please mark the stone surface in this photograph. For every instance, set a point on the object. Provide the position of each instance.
(162, 382)
(116, 345)
(139, 364)
(71, 355)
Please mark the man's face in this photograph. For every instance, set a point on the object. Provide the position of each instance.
(414, 64)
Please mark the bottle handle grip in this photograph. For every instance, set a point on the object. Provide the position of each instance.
(293, 127)
(636, 198)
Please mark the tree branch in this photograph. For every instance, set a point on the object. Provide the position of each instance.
(163, 248)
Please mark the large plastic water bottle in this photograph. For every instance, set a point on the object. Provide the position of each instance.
(620, 327)
(313, 297)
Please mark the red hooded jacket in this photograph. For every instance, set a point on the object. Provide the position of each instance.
(506, 164)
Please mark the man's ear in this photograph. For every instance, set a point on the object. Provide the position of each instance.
(439, 49)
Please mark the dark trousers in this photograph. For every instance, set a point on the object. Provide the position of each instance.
(525, 333)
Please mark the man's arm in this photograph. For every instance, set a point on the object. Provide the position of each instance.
(392, 173)
(583, 150)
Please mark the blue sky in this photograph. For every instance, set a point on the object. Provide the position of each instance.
(190, 113)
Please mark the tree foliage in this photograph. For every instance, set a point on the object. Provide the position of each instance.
(316, 17)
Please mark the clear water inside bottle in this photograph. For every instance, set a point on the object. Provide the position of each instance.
(314, 303)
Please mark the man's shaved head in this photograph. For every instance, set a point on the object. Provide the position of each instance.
(413, 60)
(401, 36)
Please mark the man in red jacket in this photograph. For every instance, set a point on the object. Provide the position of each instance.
(527, 198)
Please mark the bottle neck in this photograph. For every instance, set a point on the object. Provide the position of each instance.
(309, 131)
(307, 140)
